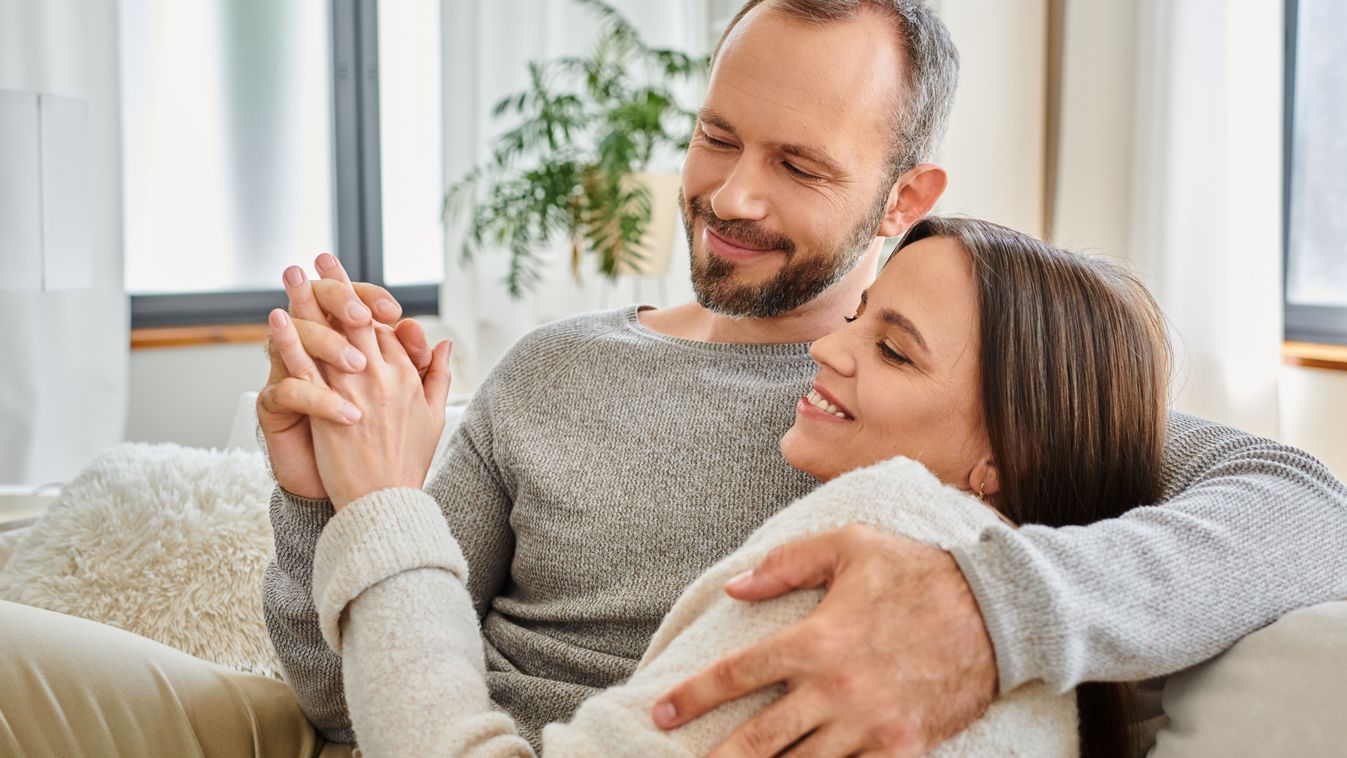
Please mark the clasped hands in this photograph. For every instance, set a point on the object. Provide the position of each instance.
(893, 661)
(355, 399)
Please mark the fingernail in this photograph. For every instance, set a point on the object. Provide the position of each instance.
(355, 358)
(279, 319)
(325, 261)
(350, 413)
(356, 311)
(665, 713)
(294, 276)
(387, 308)
(739, 581)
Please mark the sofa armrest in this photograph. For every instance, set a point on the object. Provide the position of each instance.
(1278, 691)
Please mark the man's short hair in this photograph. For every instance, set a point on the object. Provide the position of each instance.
(930, 76)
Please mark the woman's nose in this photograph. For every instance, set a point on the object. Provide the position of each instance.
(835, 351)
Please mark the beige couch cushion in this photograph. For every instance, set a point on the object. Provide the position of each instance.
(1279, 691)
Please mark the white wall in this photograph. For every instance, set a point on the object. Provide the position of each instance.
(994, 150)
(188, 395)
(1314, 414)
(63, 357)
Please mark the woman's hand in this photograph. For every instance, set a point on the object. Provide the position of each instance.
(286, 403)
(401, 415)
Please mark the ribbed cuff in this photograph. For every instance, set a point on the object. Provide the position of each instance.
(977, 560)
(289, 497)
(374, 537)
(320, 505)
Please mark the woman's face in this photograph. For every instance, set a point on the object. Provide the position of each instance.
(903, 376)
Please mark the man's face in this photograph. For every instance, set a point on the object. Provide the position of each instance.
(785, 181)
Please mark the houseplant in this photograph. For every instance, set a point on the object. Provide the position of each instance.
(575, 165)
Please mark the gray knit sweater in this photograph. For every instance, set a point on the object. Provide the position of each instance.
(602, 467)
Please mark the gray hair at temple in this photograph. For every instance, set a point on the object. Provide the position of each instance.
(930, 76)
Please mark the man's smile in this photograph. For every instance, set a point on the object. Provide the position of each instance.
(730, 250)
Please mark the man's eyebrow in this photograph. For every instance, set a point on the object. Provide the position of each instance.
(811, 154)
(815, 156)
(894, 318)
(716, 120)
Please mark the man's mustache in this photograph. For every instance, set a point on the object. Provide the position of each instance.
(745, 233)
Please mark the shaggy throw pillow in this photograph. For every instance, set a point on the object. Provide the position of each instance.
(165, 541)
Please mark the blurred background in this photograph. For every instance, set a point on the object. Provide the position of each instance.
(161, 162)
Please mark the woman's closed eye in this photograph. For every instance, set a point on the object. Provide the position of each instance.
(886, 351)
(891, 355)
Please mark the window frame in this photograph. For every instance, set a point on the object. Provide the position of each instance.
(358, 195)
(1302, 323)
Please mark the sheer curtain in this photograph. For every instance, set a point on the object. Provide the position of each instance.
(487, 48)
(64, 346)
(1169, 155)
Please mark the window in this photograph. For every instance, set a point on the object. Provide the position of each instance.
(1316, 171)
(257, 135)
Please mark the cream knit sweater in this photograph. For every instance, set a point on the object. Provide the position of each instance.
(390, 588)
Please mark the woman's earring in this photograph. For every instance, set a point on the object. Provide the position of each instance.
(982, 490)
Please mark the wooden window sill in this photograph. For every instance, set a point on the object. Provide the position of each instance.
(191, 336)
(1313, 355)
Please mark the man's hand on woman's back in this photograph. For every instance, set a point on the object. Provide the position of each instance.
(321, 310)
(894, 660)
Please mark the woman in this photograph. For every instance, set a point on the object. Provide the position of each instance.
(985, 376)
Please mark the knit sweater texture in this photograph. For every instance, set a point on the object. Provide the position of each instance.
(602, 467)
(389, 585)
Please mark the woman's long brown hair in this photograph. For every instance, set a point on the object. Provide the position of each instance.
(1074, 374)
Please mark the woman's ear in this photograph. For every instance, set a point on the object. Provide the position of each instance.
(983, 480)
(911, 198)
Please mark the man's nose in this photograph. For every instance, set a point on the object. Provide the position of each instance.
(743, 194)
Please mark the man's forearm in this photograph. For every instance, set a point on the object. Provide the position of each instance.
(1252, 530)
(311, 668)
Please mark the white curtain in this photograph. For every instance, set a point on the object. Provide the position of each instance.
(488, 44)
(64, 346)
(1169, 155)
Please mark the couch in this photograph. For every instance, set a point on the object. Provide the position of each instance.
(1281, 690)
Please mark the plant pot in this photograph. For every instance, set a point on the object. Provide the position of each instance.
(657, 243)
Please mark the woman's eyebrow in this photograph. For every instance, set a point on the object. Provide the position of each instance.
(894, 318)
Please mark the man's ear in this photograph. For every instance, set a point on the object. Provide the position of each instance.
(983, 480)
(912, 197)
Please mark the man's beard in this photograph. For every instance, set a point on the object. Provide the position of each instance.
(802, 278)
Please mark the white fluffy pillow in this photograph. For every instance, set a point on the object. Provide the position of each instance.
(165, 541)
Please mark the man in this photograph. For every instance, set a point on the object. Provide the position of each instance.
(611, 458)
